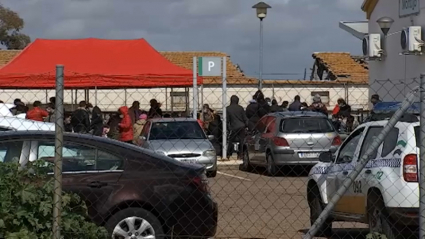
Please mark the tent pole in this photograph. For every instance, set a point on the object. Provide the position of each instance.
(166, 99)
(202, 102)
(72, 100)
(95, 95)
(76, 97)
(171, 99)
(125, 96)
(47, 95)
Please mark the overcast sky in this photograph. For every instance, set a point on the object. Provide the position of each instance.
(293, 29)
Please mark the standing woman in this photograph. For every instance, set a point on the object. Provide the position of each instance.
(96, 125)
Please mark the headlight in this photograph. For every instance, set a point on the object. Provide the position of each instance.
(209, 153)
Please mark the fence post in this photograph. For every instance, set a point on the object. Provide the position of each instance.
(422, 160)
(57, 197)
(224, 105)
(195, 88)
(360, 165)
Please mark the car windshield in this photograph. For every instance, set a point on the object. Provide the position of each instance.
(176, 130)
(306, 125)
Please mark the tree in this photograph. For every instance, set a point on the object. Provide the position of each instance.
(10, 26)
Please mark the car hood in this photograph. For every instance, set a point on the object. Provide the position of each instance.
(180, 146)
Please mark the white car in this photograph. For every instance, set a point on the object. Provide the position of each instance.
(8, 123)
(385, 195)
(5, 111)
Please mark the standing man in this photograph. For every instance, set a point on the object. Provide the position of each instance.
(296, 105)
(237, 122)
(134, 112)
(80, 119)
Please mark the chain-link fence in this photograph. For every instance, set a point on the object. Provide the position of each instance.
(134, 163)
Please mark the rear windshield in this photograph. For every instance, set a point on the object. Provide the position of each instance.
(176, 130)
(306, 125)
(417, 136)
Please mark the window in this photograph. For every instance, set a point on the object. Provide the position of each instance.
(80, 158)
(261, 125)
(10, 151)
(371, 135)
(324, 96)
(176, 130)
(271, 125)
(145, 131)
(389, 143)
(179, 99)
(306, 125)
(348, 149)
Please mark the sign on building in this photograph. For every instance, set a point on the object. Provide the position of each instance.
(408, 7)
(209, 66)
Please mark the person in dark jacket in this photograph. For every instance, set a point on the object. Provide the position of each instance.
(113, 123)
(284, 105)
(275, 107)
(263, 106)
(237, 121)
(296, 105)
(155, 110)
(80, 119)
(318, 106)
(135, 112)
(252, 113)
(96, 121)
(215, 127)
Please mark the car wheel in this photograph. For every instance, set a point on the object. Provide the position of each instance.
(316, 208)
(380, 221)
(246, 166)
(271, 167)
(212, 174)
(134, 223)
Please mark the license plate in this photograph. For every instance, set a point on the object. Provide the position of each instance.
(309, 155)
(191, 161)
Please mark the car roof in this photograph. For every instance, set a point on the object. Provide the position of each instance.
(289, 114)
(25, 124)
(384, 122)
(173, 120)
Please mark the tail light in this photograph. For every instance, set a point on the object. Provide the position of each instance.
(278, 141)
(336, 141)
(410, 168)
(201, 183)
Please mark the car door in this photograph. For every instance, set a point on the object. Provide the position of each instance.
(345, 162)
(374, 171)
(255, 153)
(88, 171)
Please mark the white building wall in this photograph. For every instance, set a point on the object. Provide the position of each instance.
(111, 100)
(393, 77)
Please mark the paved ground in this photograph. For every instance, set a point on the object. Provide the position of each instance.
(252, 205)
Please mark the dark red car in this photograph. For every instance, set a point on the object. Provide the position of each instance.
(133, 192)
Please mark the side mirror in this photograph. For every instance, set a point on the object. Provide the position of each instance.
(333, 150)
(210, 137)
(325, 157)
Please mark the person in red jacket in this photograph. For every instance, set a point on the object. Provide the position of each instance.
(37, 113)
(125, 126)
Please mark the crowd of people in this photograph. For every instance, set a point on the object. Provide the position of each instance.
(240, 120)
(127, 123)
(124, 125)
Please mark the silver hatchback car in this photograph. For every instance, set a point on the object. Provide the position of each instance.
(182, 139)
(289, 138)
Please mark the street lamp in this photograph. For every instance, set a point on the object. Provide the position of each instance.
(385, 24)
(261, 9)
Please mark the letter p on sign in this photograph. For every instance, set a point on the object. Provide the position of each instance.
(209, 66)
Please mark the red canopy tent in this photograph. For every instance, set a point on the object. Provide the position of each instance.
(93, 63)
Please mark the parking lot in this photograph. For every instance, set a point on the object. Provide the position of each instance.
(253, 205)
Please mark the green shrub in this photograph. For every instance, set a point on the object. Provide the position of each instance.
(26, 206)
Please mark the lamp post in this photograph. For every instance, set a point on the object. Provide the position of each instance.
(261, 9)
(385, 24)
